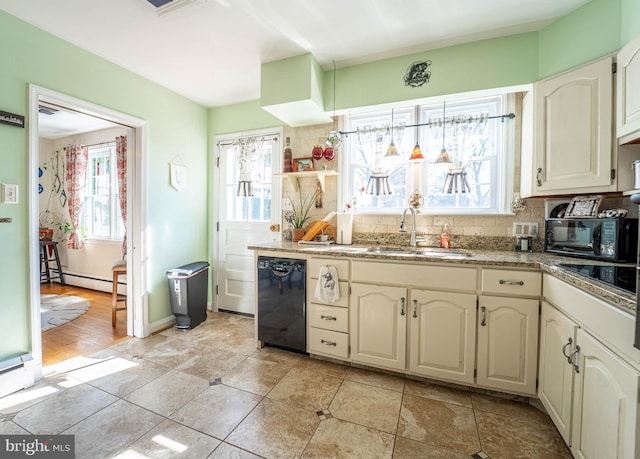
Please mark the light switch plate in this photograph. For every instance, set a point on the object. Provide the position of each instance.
(287, 204)
(9, 193)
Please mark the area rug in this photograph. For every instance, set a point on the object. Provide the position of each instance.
(56, 310)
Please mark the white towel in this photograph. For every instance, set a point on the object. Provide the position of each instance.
(328, 289)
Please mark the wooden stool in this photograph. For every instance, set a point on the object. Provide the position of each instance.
(119, 268)
(46, 249)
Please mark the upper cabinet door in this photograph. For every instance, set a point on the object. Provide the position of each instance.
(628, 92)
(572, 132)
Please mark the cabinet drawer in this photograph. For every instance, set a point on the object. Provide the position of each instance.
(344, 294)
(342, 266)
(328, 342)
(526, 283)
(421, 276)
(328, 317)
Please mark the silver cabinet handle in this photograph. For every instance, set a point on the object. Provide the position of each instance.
(564, 349)
(415, 308)
(484, 316)
(328, 343)
(402, 300)
(511, 282)
(539, 177)
(571, 361)
(328, 317)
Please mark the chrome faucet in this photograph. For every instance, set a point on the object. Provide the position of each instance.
(403, 225)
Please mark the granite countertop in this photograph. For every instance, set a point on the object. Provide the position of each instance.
(544, 261)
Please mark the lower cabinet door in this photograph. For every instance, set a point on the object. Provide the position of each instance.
(605, 422)
(378, 324)
(442, 335)
(555, 375)
(508, 344)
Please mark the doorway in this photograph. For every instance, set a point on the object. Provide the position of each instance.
(245, 220)
(137, 323)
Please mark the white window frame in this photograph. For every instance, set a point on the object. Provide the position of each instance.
(416, 174)
(114, 206)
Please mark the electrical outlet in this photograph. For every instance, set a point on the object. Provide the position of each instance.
(525, 229)
(287, 204)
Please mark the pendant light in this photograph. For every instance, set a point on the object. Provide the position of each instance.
(443, 158)
(416, 154)
(392, 151)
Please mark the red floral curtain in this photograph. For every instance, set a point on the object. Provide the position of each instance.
(121, 165)
(77, 158)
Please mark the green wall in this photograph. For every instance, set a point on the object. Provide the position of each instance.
(586, 34)
(630, 25)
(598, 28)
(177, 128)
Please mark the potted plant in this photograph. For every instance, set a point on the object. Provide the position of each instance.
(301, 213)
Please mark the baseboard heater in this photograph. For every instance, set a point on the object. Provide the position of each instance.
(16, 373)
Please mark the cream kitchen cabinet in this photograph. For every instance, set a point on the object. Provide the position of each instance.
(378, 325)
(507, 355)
(601, 416)
(508, 317)
(328, 322)
(442, 333)
(558, 335)
(566, 133)
(628, 92)
(606, 403)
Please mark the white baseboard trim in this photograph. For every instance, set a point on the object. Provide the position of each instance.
(93, 283)
(162, 324)
(20, 374)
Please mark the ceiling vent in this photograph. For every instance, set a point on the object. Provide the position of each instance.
(47, 110)
(168, 6)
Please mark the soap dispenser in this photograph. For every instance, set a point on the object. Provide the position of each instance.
(445, 239)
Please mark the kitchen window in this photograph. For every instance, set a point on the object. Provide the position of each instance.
(100, 217)
(481, 154)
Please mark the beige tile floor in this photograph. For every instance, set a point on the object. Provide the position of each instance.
(209, 393)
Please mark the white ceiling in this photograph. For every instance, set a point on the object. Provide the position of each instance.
(211, 51)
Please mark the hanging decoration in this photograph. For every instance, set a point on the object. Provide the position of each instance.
(178, 175)
(377, 145)
(246, 156)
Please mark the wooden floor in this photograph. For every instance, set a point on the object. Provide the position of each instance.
(88, 333)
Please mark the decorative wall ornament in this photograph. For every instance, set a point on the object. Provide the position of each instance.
(178, 176)
(417, 74)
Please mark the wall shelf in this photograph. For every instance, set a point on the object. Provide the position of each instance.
(293, 177)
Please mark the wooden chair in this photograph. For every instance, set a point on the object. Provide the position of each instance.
(119, 268)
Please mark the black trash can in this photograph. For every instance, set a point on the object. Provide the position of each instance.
(188, 293)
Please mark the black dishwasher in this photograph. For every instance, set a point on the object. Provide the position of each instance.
(281, 303)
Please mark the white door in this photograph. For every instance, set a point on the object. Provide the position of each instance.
(244, 220)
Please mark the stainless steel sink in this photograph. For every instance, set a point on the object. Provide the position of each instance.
(422, 251)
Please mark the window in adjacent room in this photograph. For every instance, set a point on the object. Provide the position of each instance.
(101, 215)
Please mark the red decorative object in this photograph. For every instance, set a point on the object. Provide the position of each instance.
(329, 153)
(317, 152)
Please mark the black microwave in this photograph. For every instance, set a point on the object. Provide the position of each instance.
(609, 239)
